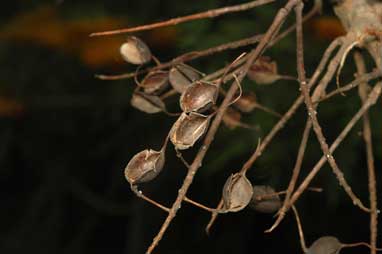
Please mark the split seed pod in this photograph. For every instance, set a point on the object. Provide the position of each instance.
(325, 245)
(144, 166)
(270, 203)
(247, 102)
(188, 129)
(155, 82)
(181, 76)
(147, 103)
(237, 193)
(135, 51)
(198, 97)
(263, 71)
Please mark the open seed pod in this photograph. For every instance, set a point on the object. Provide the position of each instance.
(247, 102)
(237, 193)
(198, 97)
(144, 166)
(264, 199)
(263, 71)
(325, 245)
(181, 76)
(135, 51)
(155, 82)
(188, 129)
(147, 103)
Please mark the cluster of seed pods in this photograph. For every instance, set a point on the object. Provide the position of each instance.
(197, 102)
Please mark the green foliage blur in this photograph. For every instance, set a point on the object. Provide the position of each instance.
(66, 136)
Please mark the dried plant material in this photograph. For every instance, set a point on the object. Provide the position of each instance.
(155, 82)
(198, 97)
(144, 166)
(263, 71)
(181, 76)
(237, 193)
(325, 245)
(231, 118)
(188, 129)
(135, 51)
(147, 103)
(247, 102)
(265, 199)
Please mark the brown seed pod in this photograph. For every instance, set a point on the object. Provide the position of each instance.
(265, 199)
(263, 71)
(144, 166)
(247, 102)
(147, 103)
(237, 193)
(181, 76)
(188, 129)
(135, 51)
(155, 82)
(231, 118)
(325, 245)
(198, 97)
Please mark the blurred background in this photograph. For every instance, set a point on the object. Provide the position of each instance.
(66, 136)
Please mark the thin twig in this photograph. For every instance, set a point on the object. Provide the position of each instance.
(300, 231)
(201, 15)
(313, 114)
(371, 100)
(367, 136)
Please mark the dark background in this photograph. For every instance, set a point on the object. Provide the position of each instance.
(65, 136)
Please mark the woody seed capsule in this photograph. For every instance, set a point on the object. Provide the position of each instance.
(181, 76)
(188, 129)
(147, 103)
(263, 71)
(198, 97)
(247, 102)
(155, 82)
(135, 51)
(144, 166)
(264, 199)
(237, 193)
(325, 245)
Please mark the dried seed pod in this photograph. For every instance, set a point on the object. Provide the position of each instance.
(247, 102)
(188, 129)
(237, 192)
(325, 245)
(231, 118)
(265, 199)
(198, 97)
(181, 76)
(144, 166)
(263, 71)
(147, 103)
(135, 51)
(155, 82)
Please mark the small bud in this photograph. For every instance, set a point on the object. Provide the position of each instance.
(181, 76)
(325, 245)
(198, 97)
(135, 51)
(155, 82)
(237, 193)
(264, 199)
(263, 71)
(147, 103)
(247, 102)
(188, 129)
(144, 166)
(231, 118)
